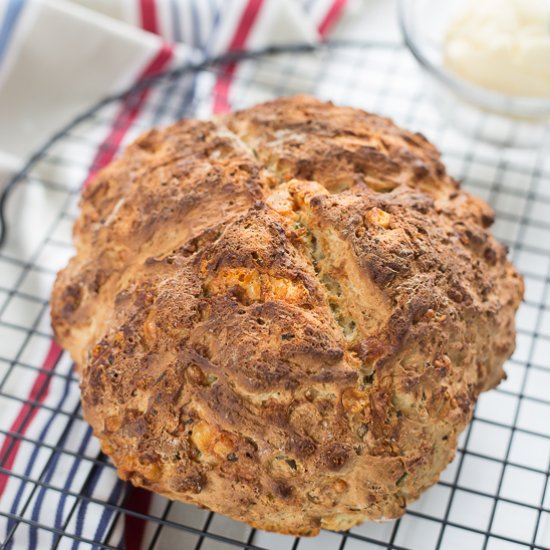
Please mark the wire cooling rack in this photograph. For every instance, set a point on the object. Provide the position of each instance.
(59, 491)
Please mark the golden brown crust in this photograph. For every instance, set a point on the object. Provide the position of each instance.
(284, 315)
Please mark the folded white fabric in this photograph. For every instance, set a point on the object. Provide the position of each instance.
(59, 57)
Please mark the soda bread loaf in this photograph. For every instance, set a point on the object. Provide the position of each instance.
(285, 314)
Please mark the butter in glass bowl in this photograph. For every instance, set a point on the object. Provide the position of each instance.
(488, 64)
(502, 45)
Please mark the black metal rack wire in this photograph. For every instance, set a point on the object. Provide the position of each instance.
(65, 493)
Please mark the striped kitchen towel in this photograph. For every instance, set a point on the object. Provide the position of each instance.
(58, 58)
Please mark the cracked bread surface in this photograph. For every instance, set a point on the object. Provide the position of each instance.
(284, 314)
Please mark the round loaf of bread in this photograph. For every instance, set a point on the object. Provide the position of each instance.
(285, 314)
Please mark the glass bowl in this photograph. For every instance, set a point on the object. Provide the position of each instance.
(488, 115)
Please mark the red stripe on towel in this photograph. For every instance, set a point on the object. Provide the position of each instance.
(38, 394)
(148, 12)
(333, 14)
(223, 83)
(134, 527)
(127, 114)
